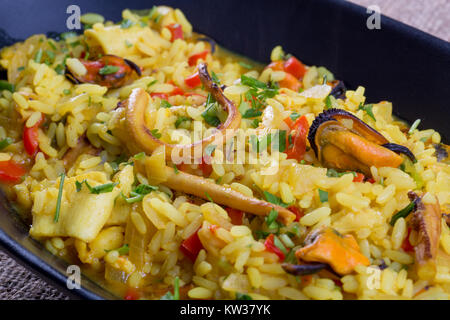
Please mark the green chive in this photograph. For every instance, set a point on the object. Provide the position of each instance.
(277, 242)
(245, 65)
(50, 43)
(128, 44)
(209, 197)
(242, 296)
(103, 188)
(66, 92)
(155, 133)
(294, 116)
(165, 104)
(122, 250)
(183, 122)
(414, 126)
(91, 18)
(20, 68)
(175, 169)
(323, 196)
(368, 109)
(151, 83)
(139, 156)
(5, 142)
(5, 85)
(403, 213)
(58, 201)
(176, 289)
(108, 70)
(126, 24)
(38, 56)
(287, 241)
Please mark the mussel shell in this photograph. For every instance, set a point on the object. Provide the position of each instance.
(400, 149)
(133, 66)
(339, 90)
(334, 115)
(442, 151)
(303, 269)
(210, 41)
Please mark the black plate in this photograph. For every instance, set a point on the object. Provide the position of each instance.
(396, 63)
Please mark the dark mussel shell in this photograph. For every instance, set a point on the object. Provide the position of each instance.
(338, 90)
(441, 151)
(400, 149)
(107, 78)
(133, 66)
(334, 115)
(303, 269)
(210, 41)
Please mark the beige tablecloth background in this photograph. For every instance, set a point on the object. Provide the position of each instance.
(432, 16)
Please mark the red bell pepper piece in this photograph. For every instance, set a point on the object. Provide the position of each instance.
(162, 96)
(176, 30)
(276, 66)
(290, 82)
(194, 58)
(132, 294)
(205, 167)
(406, 245)
(270, 246)
(371, 180)
(191, 246)
(30, 138)
(235, 215)
(193, 80)
(359, 177)
(298, 150)
(298, 212)
(10, 172)
(294, 67)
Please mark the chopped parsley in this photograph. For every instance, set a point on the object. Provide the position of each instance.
(128, 44)
(271, 219)
(368, 109)
(274, 199)
(5, 85)
(38, 56)
(183, 122)
(176, 291)
(245, 65)
(403, 213)
(155, 133)
(66, 92)
(108, 70)
(138, 193)
(294, 116)
(122, 250)
(126, 24)
(103, 188)
(242, 296)
(165, 104)
(209, 197)
(323, 196)
(332, 173)
(5, 142)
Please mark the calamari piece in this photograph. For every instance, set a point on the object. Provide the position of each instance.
(142, 139)
(328, 246)
(82, 214)
(426, 220)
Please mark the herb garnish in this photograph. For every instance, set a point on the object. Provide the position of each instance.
(58, 201)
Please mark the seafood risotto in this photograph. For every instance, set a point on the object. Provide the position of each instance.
(170, 168)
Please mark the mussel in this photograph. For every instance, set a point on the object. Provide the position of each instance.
(342, 141)
(327, 245)
(109, 71)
